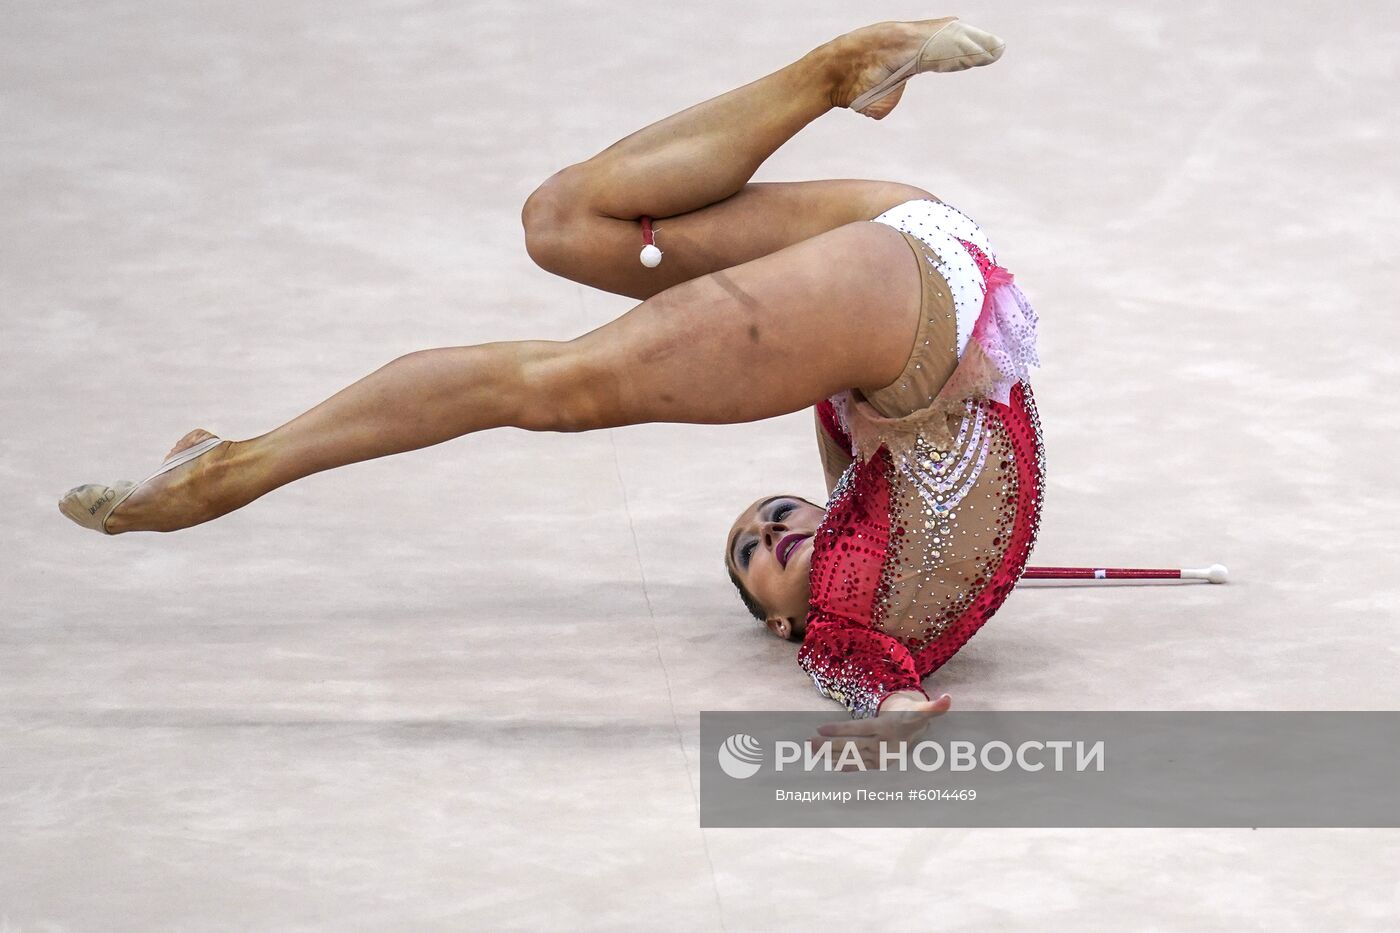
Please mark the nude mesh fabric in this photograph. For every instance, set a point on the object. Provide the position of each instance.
(934, 516)
(953, 478)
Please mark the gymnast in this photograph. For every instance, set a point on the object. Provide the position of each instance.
(909, 341)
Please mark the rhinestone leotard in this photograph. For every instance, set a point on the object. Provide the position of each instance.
(937, 503)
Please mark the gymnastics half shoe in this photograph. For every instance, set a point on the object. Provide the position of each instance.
(91, 505)
(954, 46)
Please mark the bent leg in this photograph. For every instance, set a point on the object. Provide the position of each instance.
(766, 338)
(690, 172)
(762, 218)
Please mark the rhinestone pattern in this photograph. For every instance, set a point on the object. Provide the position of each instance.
(933, 520)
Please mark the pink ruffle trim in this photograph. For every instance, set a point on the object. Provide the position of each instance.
(999, 354)
(1006, 333)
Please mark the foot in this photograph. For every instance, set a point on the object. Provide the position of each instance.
(875, 54)
(177, 498)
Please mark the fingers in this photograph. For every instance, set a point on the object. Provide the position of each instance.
(878, 724)
(870, 737)
(928, 708)
(910, 701)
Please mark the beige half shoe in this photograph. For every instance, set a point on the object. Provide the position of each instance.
(955, 46)
(91, 505)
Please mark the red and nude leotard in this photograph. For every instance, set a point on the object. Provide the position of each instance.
(941, 475)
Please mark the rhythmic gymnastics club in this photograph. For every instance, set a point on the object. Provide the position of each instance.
(651, 255)
(1215, 573)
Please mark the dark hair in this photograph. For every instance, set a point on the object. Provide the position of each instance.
(750, 603)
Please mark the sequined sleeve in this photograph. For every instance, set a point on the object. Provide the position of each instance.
(854, 664)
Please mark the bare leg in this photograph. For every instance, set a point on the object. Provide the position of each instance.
(691, 170)
(418, 400)
(769, 337)
(695, 163)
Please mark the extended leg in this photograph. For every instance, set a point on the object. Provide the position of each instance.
(769, 337)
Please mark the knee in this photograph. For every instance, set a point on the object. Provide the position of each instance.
(546, 217)
(565, 391)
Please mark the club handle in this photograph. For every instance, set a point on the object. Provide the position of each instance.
(1215, 573)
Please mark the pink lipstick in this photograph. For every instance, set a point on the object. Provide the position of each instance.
(787, 546)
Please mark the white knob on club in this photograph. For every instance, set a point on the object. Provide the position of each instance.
(1215, 573)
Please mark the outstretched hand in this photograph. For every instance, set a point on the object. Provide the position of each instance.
(902, 717)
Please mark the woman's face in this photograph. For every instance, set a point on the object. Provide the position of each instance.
(770, 551)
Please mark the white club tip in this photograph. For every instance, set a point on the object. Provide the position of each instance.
(1215, 573)
(651, 256)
